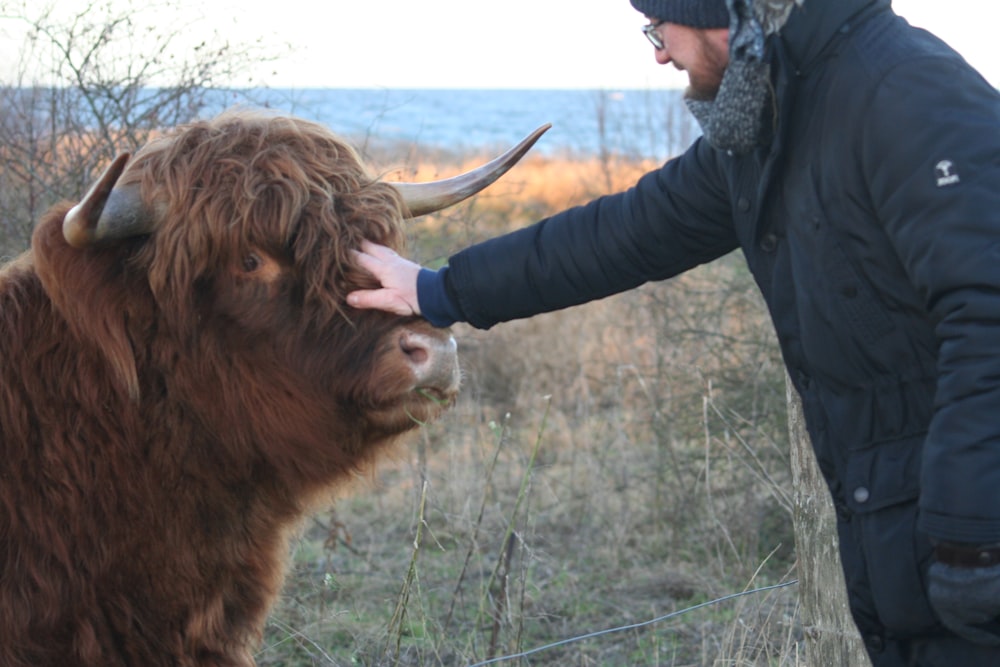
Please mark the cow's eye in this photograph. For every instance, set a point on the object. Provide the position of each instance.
(251, 262)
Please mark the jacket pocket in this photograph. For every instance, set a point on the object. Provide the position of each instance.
(884, 474)
(883, 485)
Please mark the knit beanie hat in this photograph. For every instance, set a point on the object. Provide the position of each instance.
(691, 13)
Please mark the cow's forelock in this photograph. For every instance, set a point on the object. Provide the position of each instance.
(292, 191)
(244, 181)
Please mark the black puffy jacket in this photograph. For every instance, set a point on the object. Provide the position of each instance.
(871, 224)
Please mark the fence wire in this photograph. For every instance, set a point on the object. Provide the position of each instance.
(633, 626)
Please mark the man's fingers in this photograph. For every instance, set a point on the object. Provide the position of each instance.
(379, 299)
(396, 275)
(377, 259)
(366, 261)
(370, 259)
(377, 251)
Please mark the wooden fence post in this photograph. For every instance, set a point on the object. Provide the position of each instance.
(831, 638)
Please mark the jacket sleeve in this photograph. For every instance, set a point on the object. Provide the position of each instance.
(932, 159)
(674, 218)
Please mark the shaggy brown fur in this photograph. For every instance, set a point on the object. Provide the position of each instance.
(171, 405)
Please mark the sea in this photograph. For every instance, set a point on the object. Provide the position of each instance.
(651, 124)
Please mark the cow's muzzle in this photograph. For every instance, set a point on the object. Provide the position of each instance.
(433, 358)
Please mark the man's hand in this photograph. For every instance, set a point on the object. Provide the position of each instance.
(397, 275)
(967, 600)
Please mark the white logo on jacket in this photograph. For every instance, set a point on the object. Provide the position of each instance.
(945, 173)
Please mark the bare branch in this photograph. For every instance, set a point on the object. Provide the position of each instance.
(91, 82)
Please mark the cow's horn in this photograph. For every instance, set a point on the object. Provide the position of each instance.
(424, 198)
(107, 212)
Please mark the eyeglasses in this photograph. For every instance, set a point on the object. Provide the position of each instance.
(651, 32)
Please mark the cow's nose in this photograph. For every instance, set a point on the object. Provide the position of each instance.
(433, 359)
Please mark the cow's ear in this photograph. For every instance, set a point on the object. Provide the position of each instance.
(88, 289)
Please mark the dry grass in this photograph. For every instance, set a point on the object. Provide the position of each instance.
(605, 466)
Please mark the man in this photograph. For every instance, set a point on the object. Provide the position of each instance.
(856, 162)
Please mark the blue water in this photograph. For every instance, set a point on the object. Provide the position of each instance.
(640, 123)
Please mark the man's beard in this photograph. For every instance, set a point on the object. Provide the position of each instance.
(704, 83)
(731, 118)
(732, 113)
(702, 91)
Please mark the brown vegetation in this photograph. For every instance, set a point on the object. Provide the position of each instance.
(605, 465)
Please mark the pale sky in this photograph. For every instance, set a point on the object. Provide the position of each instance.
(592, 44)
(521, 43)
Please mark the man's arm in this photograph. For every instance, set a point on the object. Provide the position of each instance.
(673, 219)
(931, 160)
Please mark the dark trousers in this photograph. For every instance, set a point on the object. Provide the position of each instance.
(885, 560)
(934, 652)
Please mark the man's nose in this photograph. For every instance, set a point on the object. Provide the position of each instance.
(663, 55)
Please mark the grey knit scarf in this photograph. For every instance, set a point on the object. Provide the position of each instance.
(735, 120)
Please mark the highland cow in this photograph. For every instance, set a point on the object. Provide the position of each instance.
(181, 381)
